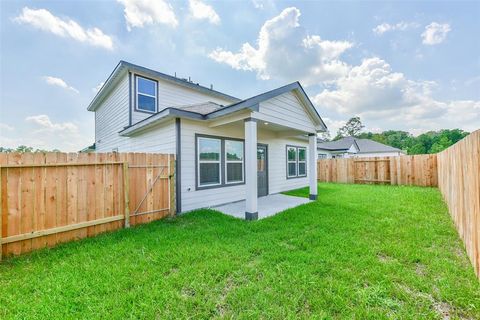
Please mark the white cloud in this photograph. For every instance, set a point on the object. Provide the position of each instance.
(53, 81)
(388, 99)
(139, 13)
(41, 132)
(435, 33)
(401, 26)
(286, 51)
(202, 11)
(6, 127)
(98, 87)
(44, 124)
(44, 20)
(263, 4)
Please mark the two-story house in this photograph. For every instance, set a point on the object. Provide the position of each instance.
(227, 149)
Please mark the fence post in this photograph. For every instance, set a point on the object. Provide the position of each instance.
(126, 189)
(172, 186)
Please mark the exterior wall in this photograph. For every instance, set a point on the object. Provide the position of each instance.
(110, 117)
(286, 110)
(113, 115)
(277, 174)
(330, 154)
(170, 95)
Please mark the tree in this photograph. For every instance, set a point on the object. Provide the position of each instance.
(352, 128)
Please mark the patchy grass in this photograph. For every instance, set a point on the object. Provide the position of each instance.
(358, 252)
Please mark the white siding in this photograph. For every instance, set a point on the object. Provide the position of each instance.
(112, 116)
(277, 181)
(170, 95)
(286, 110)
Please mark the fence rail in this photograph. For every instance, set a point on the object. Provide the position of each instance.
(456, 171)
(50, 198)
(459, 183)
(420, 170)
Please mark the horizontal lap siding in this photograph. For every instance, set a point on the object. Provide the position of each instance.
(287, 109)
(203, 198)
(174, 95)
(111, 117)
(207, 198)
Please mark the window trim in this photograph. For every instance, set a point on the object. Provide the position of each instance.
(303, 161)
(137, 109)
(199, 162)
(292, 161)
(297, 161)
(234, 161)
(222, 163)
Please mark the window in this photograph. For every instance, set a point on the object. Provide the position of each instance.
(234, 161)
(146, 97)
(291, 162)
(220, 162)
(322, 156)
(302, 162)
(209, 161)
(296, 162)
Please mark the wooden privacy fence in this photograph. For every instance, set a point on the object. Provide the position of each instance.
(50, 198)
(420, 170)
(459, 183)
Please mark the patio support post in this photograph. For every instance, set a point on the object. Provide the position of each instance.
(251, 210)
(312, 162)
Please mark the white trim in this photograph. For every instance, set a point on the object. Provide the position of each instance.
(251, 178)
(234, 161)
(145, 94)
(219, 161)
(299, 161)
(292, 161)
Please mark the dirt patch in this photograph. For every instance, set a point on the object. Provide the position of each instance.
(188, 292)
(221, 305)
(420, 269)
(384, 258)
(443, 309)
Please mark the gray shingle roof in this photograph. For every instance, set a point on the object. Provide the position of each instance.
(202, 108)
(364, 145)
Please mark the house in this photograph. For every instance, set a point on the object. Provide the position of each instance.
(227, 149)
(351, 147)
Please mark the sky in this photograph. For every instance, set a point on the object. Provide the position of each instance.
(412, 66)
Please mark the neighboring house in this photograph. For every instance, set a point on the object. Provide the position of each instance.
(351, 147)
(227, 149)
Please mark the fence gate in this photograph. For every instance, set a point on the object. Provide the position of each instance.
(372, 170)
(50, 198)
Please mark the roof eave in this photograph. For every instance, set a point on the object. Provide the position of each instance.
(123, 65)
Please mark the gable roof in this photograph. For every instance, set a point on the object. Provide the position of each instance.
(363, 145)
(210, 110)
(123, 67)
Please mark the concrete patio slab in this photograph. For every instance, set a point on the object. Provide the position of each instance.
(267, 206)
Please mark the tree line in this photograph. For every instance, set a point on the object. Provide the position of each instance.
(428, 142)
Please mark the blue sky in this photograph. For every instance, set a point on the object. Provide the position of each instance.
(412, 65)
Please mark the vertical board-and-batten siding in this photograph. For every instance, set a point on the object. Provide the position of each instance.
(286, 109)
(277, 180)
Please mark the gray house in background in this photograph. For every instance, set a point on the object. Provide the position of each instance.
(351, 147)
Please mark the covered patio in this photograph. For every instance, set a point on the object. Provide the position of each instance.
(267, 206)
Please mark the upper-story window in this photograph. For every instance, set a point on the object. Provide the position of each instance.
(146, 95)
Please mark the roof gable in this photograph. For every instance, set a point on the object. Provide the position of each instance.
(362, 145)
(124, 67)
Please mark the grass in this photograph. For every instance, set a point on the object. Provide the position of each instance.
(360, 251)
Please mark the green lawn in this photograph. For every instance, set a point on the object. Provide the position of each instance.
(358, 252)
